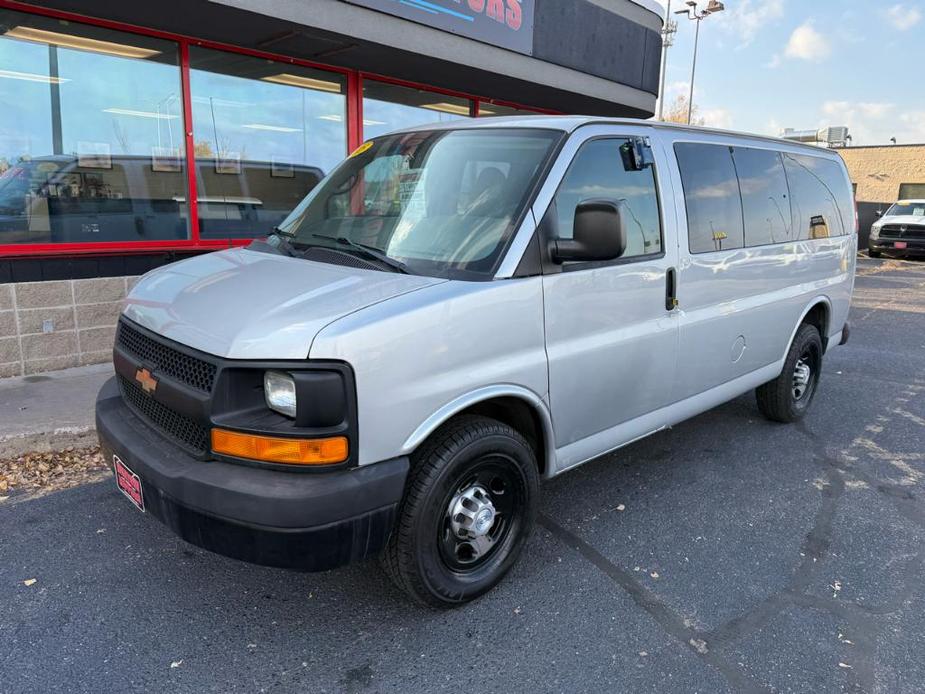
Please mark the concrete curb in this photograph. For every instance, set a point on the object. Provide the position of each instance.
(45, 441)
(50, 411)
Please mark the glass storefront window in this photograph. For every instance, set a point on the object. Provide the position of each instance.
(265, 133)
(388, 107)
(91, 135)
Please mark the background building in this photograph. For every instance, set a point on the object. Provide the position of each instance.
(134, 134)
(882, 175)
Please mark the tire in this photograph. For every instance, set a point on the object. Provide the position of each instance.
(874, 254)
(781, 400)
(474, 457)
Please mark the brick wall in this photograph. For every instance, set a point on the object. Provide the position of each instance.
(59, 324)
(878, 171)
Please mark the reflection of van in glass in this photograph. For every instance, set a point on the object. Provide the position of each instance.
(457, 312)
(55, 199)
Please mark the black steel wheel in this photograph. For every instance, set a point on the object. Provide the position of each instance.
(469, 507)
(788, 397)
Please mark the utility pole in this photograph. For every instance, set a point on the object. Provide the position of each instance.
(668, 32)
(698, 16)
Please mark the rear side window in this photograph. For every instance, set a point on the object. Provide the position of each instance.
(765, 197)
(598, 172)
(822, 200)
(711, 195)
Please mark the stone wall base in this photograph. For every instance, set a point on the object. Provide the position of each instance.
(46, 326)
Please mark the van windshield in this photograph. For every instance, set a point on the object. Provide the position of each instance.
(441, 202)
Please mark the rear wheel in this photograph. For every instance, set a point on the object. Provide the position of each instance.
(468, 509)
(787, 397)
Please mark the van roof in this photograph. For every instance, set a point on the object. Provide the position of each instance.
(570, 123)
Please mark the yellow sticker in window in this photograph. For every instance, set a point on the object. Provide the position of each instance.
(362, 148)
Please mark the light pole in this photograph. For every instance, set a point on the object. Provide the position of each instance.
(668, 32)
(698, 16)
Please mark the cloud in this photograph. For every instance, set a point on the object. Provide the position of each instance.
(748, 17)
(868, 110)
(903, 17)
(873, 123)
(717, 118)
(774, 62)
(807, 44)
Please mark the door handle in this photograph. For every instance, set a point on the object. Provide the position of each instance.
(671, 289)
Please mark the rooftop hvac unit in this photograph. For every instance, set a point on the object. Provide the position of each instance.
(832, 137)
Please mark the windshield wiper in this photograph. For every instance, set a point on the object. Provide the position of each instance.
(369, 251)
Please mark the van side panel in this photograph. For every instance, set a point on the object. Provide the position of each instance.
(740, 307)
(415, 354)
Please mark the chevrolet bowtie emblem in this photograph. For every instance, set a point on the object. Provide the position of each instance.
(147, 382)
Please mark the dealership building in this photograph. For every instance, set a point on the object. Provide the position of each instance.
(881, 175)
(135, 134)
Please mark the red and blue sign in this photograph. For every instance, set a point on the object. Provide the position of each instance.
(504, 23)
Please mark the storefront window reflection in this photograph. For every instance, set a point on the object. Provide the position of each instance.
(91, 135)
(265, 133)
(488, 110)
(388, 107)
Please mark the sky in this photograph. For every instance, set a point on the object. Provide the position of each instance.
(767, 65)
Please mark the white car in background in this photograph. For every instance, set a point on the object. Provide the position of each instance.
(901, 230)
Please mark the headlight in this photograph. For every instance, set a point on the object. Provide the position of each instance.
(279, 390)
(875, 231)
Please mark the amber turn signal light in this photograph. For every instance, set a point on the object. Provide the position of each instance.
(271, 449)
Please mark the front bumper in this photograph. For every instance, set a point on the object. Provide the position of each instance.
(914, 246)
(304, 520)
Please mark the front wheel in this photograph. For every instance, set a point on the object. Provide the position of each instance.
(469, 507)
(874, 254)
(787, 398)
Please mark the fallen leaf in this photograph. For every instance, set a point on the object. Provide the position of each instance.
(845, 665)
(654, 574)
(176, 663)
(621, 507)
(29, 581)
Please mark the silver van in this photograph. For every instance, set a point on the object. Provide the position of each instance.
(458, 312)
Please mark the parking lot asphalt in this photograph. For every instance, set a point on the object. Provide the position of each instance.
(727, 554)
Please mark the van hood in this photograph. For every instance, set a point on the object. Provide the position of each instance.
(243, 304)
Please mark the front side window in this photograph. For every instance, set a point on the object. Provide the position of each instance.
(442, 203)
(265, 133)
(91, 135)
(822, 200)
(598, 172)
(711, 195)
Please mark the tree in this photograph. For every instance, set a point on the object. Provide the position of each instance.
(203, 148)
(676, 112)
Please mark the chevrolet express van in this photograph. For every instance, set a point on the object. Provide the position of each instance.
(460, 311)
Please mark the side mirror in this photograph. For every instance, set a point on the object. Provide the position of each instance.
(879, 213)
(599, 233)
